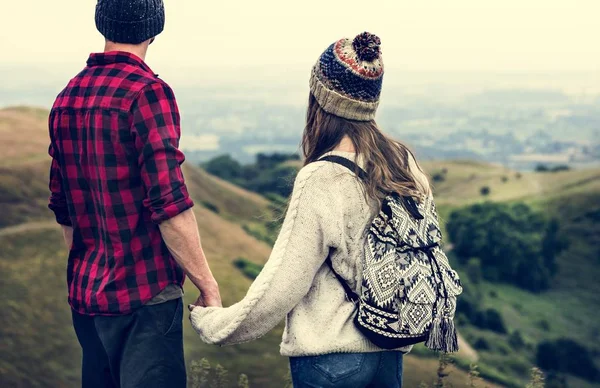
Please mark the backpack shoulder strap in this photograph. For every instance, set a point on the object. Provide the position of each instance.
(408, 202)
(350, 165)
(350, 295)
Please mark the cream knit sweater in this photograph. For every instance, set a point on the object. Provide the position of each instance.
(327, 210)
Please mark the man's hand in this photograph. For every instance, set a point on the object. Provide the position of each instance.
(209, 296)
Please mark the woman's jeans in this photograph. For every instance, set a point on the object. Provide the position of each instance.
(348, 370)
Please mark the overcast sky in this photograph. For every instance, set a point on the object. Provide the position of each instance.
(214, 37)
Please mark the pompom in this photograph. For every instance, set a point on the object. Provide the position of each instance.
(367, 46)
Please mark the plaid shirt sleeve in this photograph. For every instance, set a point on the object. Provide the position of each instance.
(156, 131)
(58, 201)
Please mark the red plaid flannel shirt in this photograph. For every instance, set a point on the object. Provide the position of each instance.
(115, 176)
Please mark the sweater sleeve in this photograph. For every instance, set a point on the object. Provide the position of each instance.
(309, 230)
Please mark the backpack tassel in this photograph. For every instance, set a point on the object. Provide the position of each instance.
(442, 335)
(450, 338)
(434, 342)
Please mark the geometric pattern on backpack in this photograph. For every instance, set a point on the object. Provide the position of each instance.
(409, 290)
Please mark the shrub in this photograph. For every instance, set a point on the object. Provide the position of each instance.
(494, 321)
(489, 319)
(485, 191)
(203, 375)
(438, 177)
(558, 168)
(248, 268)
(504, 179)
(562, 167)
(213, 208)
(481, 344)
(516, 340)
(543, 324)
(567, 356)
(442, 371)
(262, 235)
(518, 175)
(537, 379)
(473, 375)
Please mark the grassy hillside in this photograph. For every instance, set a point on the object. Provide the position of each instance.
(23, 165)
(23, 135)
(39, 348)
(569, 308)
(462, 180)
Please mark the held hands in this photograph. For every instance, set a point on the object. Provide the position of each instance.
(209, 295)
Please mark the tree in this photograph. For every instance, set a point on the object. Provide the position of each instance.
(267, 176)
(513, 243)
(552, 244)
(516, 340)
(541, 168)
(225, 167)
(485, 191)
(567, 356)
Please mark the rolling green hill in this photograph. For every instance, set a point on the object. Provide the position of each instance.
(38, 345)
(462, 180)
(569, 309)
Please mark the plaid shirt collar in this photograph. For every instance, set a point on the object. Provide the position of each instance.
(108, 58)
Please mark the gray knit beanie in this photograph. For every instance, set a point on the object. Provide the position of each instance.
(130, 21)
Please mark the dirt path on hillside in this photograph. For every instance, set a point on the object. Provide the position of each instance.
(466, 351)
(28, 227)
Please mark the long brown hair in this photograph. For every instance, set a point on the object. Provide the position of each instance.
(386, 160)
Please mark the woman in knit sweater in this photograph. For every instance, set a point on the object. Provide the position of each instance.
(329, 214)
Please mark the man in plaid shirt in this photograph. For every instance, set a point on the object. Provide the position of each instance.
(118, 191)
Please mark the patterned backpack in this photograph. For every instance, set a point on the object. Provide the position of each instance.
(408, 290)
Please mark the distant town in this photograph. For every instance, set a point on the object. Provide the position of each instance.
(521, 129)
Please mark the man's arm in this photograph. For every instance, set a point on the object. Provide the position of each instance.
(156, 130)
(180, 233)
(58, 202)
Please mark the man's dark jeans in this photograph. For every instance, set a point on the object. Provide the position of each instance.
(142, 349)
